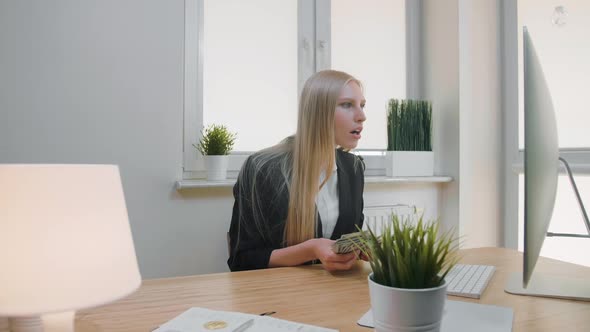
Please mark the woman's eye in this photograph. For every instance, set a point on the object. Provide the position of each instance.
(363, 106)
(346, 105)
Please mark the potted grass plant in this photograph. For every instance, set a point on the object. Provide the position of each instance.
(215, 145)
(409, 262)
(409, 138)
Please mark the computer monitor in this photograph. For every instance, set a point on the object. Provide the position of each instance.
(541, 168)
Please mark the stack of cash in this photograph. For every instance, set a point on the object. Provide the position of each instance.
(348, 242)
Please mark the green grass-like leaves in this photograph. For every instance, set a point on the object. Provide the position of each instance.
(217, 140)
(409, 125)
(409, 255)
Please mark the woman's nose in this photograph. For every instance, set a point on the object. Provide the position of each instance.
(360, 116)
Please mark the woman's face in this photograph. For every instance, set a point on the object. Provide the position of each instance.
(349, 116)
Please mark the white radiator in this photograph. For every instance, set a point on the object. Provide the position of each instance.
(376, 216)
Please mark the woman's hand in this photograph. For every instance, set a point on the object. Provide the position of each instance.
(362, 256)
(331, 260)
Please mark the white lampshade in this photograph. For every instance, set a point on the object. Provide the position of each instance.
(65, 240)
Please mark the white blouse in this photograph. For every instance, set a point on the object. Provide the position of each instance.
(327, 203)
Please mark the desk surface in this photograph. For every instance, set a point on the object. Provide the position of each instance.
(309, 294)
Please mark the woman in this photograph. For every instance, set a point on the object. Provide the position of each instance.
(294, 199)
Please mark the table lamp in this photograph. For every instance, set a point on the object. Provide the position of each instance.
(65, 242)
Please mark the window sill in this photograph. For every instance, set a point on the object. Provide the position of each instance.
(193, 184)
(408, 179)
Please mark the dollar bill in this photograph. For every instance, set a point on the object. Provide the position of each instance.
(348, 242)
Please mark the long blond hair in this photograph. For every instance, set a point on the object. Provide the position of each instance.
(295, 164)
(313, 151)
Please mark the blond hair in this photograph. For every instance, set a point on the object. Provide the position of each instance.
(313, 151)
(295, 164)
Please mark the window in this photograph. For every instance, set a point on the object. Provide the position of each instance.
(250, 69)
(560, 37)
(368, 40)
(245, 62)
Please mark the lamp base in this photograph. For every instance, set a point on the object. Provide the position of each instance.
(58, 322)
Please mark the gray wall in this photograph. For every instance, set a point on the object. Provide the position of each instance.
(102, 82)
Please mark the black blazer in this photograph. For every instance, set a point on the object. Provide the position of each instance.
(250, 248)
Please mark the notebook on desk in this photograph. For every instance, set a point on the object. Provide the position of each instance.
(466, 317)
(205, 320)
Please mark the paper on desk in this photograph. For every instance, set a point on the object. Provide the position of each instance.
(194, 319)
(466, 317)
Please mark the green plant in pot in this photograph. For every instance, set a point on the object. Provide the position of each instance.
(409, 262)
(215, 145)
(409, 138)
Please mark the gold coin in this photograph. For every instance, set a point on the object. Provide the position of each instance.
(215, 325)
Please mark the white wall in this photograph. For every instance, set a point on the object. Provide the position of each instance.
(461, 75)
(440, 83)
(480, 129)
(102, 82)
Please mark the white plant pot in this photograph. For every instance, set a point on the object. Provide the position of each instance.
(216, 167)
(409, 163)
(405, 310)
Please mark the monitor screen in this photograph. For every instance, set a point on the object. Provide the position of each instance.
(541, 157)
(541, 168)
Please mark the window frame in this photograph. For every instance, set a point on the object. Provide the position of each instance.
(314, 35)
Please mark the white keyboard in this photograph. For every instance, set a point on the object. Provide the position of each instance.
(469, 280)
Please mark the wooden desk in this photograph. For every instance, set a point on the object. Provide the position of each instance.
(311, 295)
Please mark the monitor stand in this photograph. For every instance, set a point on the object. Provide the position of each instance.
(550, 286)
(554, 286)
(580, 204)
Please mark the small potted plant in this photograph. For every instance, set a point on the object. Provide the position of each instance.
(409, 138)
(409, 262)
(215, 145)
